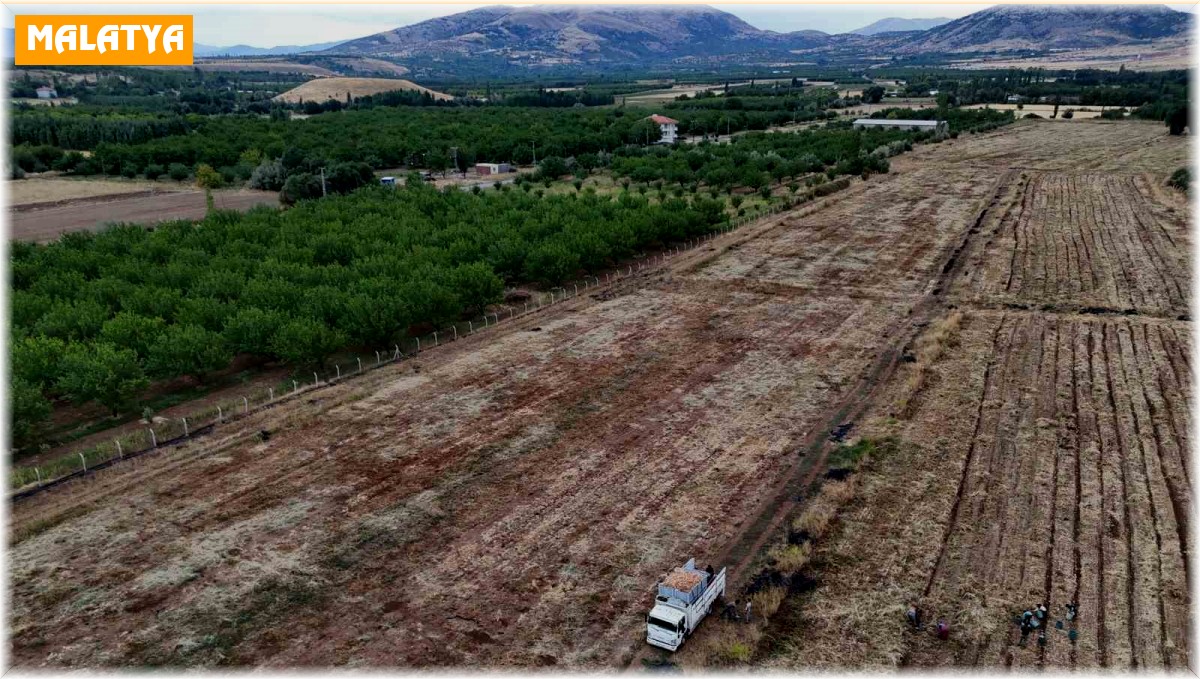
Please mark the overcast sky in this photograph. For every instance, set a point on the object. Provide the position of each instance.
(270, 25)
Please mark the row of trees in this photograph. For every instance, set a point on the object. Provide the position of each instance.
(95, 317)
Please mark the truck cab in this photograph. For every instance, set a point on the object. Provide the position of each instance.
(665, 627)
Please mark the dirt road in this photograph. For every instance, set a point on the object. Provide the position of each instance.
(510, 499)
(44, 224)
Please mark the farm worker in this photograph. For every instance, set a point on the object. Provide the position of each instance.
(1041, 611)
(914, 616)
(943, 630)
(749, 604)
(1042, 639)
(730, 612)
(1073, 635)
(1071, 612)
(1026, 617)
(1025, 630)
(711, 572)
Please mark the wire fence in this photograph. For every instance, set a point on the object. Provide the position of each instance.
(163, 432)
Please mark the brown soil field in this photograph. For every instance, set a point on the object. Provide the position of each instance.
(1043, 457)
(510, 499)
(320, 89)
(1086, 241)
(41, 190)
(46, 223)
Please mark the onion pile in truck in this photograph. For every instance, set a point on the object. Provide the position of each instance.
(684, 597)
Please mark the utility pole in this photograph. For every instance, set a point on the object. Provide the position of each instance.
(535, 153)
(454, 150)
(323, 194)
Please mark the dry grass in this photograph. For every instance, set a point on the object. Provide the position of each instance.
(767, 601)
(791, 558)
(927, 349)
(819, 515)
(37, 190)
(322, 89)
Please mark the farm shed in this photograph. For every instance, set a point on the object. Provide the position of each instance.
(493, 168)
(936, 126)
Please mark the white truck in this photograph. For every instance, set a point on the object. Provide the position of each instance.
(682, 601)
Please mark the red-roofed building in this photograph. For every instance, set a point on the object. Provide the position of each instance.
(668, 126)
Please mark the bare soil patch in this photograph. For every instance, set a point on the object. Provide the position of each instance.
(49, 222)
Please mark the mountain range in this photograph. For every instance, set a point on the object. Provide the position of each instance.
(201, 50)
(899, 25)
(551, 35)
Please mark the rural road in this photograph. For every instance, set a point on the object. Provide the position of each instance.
(46, 224)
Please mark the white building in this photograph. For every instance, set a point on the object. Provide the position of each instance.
(493, 168)
(667, 126)
(46, 93)
(940, 127)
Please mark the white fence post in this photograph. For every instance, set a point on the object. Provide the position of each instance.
(455, 329)
(84, 461)
(245, 405)
(39, 475)
(316, 380)
(338, 368)
(526, 307)
(120, 452)
(470, 328)
(359, 359)
(220, 414)
(577, 290)
(185, 428)
(418, 345)
(511, 312)
(295, 387)
(153, 438)
(271, 393)
(435, 339)
(376, 358)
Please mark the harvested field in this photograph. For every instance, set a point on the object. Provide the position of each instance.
(1095, 242)
(39, 191)
(1041, 459)
(511, 499)
(44, 223)
(320, 89)
(1126, 147)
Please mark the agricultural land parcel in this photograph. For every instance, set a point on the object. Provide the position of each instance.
(524, 488)
(1044, 459)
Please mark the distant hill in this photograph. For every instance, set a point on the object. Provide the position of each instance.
(1049, 27)
(200, 50)
(556, 34)
(897, 24)
(323, 89)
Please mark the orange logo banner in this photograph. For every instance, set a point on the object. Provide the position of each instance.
(103, 40)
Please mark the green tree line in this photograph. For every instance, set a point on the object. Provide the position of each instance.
(96, 317)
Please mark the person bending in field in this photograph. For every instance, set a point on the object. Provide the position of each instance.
(913, 616)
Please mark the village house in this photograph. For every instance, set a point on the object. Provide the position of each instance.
(669, 127)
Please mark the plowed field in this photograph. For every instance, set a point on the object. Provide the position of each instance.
(1044, 458)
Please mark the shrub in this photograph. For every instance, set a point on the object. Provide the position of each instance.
(154, 171)
(178, 171)
(1180, 179)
